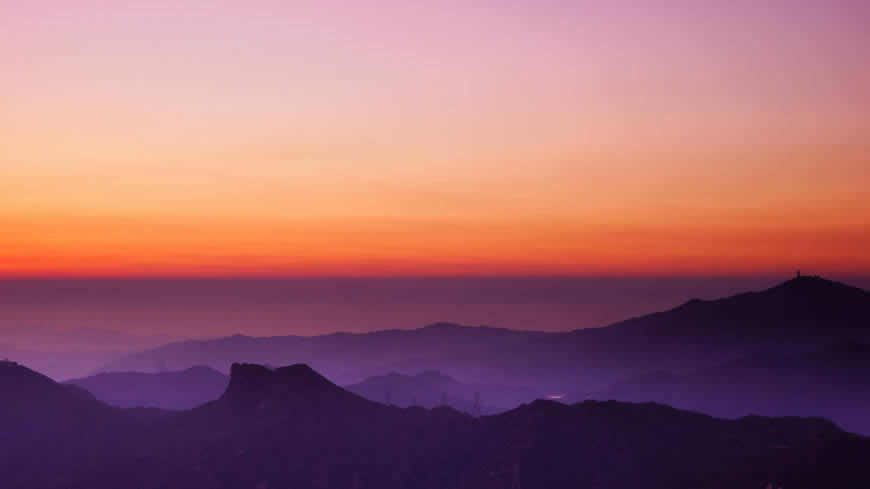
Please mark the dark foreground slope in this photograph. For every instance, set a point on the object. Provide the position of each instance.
(56, 435)
(290, 427)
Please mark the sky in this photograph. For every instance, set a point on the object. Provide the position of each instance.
(193, 138)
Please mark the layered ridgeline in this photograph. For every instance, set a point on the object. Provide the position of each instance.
(195, 386)
(290, 427)
(801, 314)
(769, 352)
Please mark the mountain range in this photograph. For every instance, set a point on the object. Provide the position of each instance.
(186, 389)
(290, 427)
(789, 326)
(802, 312)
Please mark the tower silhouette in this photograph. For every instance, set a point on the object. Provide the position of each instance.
(388, 397)
(475, 410)
(444, 399)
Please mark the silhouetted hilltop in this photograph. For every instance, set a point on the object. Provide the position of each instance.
(166, 390)
(49, 429)
(294, 387)
(21, 386)
(801, 310)
(19, 381)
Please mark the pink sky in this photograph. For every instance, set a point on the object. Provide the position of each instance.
(391, 138)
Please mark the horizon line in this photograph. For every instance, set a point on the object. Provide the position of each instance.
(519, 276)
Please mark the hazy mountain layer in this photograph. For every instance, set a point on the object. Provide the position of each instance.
(167, 390)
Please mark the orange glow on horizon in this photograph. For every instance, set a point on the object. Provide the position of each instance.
(216, 140)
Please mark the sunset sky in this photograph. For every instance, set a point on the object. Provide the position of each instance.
(513, 137)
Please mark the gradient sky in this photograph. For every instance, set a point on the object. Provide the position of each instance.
(227, 138)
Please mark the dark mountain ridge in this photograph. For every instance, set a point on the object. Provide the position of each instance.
(801, 310)
(255, 387)
(290, 427)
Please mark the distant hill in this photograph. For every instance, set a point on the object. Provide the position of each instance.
(64, 353)
(430, 389)
(351, 358)
(195, 386)
(771, 352)
(801, 313)
(166, 390)
(803, 310)
(290, 427)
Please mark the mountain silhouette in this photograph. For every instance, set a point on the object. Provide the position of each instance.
(195, 386)
(694, 349)
(22, 387)
(291, 427)
(297, 387)
(803, 313)
(802, 310)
